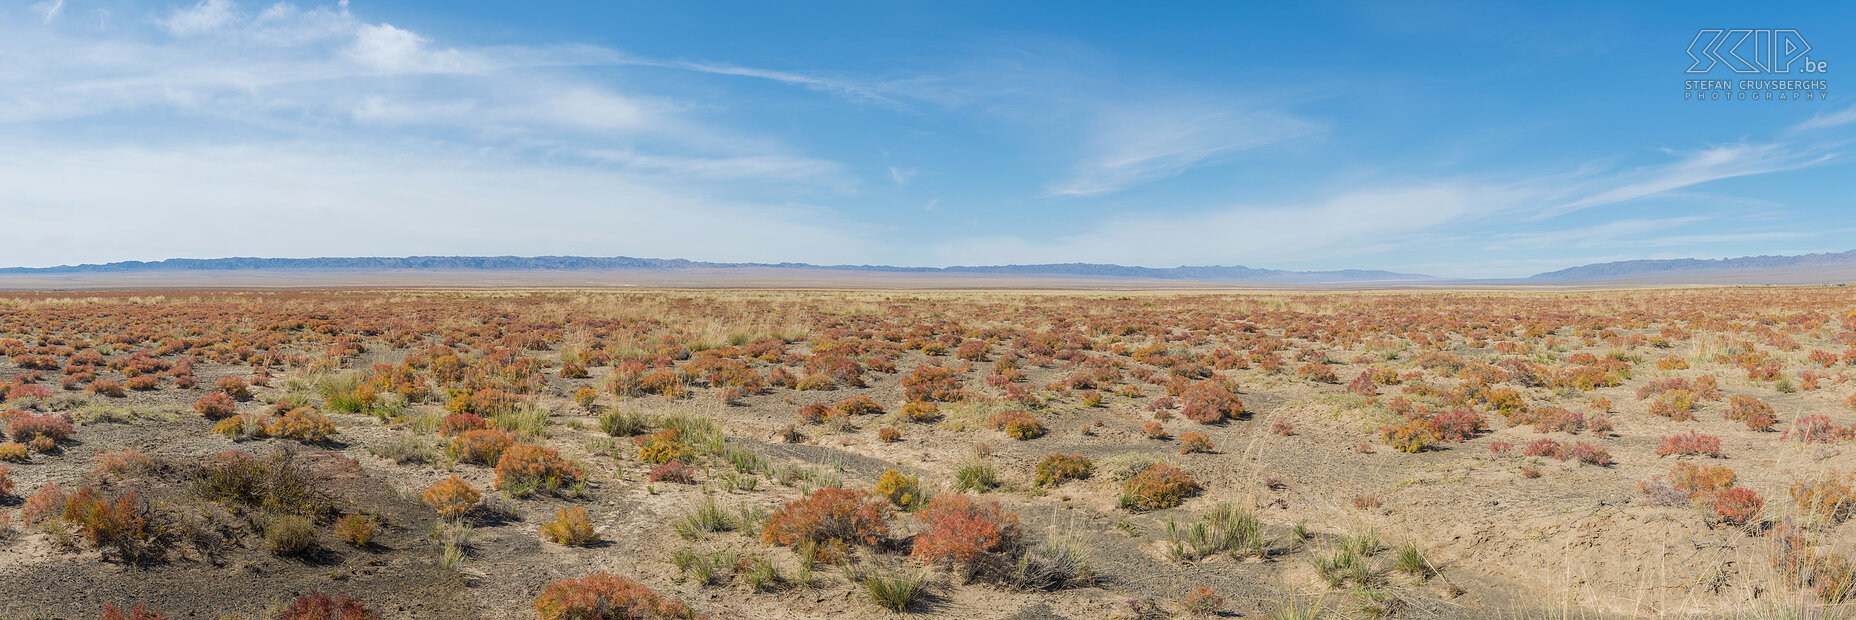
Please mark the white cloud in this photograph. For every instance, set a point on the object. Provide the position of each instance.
(50, 9)
(384, 47)
(1693, 168)
(1131, 145)
(203, 17)
(901, 176)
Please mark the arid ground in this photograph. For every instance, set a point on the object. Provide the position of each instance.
(566, 453)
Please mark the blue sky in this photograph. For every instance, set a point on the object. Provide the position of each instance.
(1455, 139)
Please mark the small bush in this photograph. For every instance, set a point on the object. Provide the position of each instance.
(324, 606)
(1691, 444)
(1700, 482)
(604, 595)
(1544, 447)
(303, 424)
(921, 412)
(1156, 487)
(459, 423)
(1282, 427)
(673, 471)
(216, 406)
(1829, 497)
(107, 387)
(524, 468)
(858, 405)
(1590, 454)
(1194, 442)
(1018, 424)
(888, 434)
(29, 427)
(14, 451)
(827, 515)
(960, 529)
(290, 535)
(451, 497)
(233, 387)
(1212, 401)
(139, 612)
(570, 527)
(6, 481)
(665, 446)
(482, 446)
(120, 463)
(902, 490)
(1056, 468)
(1413, 435)
(357, 530)
(1737, 505)
(1203, 601)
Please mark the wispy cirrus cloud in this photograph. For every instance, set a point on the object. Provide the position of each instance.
(1131, 144)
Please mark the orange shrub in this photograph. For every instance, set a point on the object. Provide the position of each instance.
(858, 405)
(1018, 424)
(664, 446)
(6, 481)
(888, 434)
(829, 515)
(451, 497)
(524, 468)
(482, 446)
(357, 530)
(932, 383)
(303, 424)
(960, 529)
(1829, 497)
(1194, 442)
(1702, 481)
(233, 387)
(604, 595)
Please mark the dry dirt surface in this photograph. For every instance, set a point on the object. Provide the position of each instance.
(601, 453)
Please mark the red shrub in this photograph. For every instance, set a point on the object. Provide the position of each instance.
(1194, 442)
(26, 428)
(1737, 505)
(1210, 402)
(1457, 424)
(960, 529)
(461, 422)
(1157, 487)
(216, 406)
(324, 606)
(674, 471)
(1691, 443)
(1817, 428)
(1544, 447)
(1590, 454)
(139, 612)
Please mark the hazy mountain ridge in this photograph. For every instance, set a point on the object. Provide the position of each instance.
(1233, 273)
(1642, 268)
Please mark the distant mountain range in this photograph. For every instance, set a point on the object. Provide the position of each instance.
(1802, 269)
(1233, 273)
(1826, 267)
